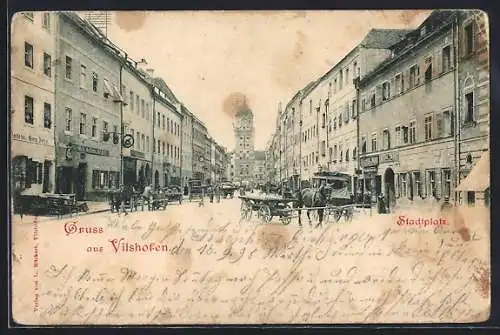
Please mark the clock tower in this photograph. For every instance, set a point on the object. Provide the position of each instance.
(244, 134)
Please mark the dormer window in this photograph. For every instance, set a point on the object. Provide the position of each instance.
(423, 31)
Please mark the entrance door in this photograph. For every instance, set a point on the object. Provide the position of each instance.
(80, 181)
(389, 188)
(46, 176)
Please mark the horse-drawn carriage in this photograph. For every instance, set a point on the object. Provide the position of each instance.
(328, 196)
(266, 207)
(340, 201)
(227, 189)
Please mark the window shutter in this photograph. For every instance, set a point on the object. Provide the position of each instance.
(417, 74)
(437, 174)
(392, 91)
(438, 67)
(439, 127)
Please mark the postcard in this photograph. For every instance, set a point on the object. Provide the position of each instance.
(249, 167)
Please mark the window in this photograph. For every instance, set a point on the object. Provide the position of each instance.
(28, 15)
(398, 89)
(418, 184)
(340, 120)
(386, 91)
(137, 104)
(468, 39)
(323, 148)
(398, 139)
(414, 72)
(28, 55)
(355, 70)
(335, 85)
(431, 184)
(354, 109)
(446, 127)
(47, 116)
(147, 110)
(374, 142)
(469, 112)
(143, 111)
(471, 198)
(403, 183)
(363, 105)
(372, 100)
(46, 21)
(131, 101)
(28, 109)
(163, 121)
(104, 127)
(347, 76)
(148, 146)
(446, 175)
(69, 64)
(163, 148)
(47, 65)
(354, 154)
(446, 58)
(143, 142)
(428, 69)
(323, 120)
(363, 145)
(83, 76)
(386, 139)
(94, 127)
(68, 119)
(83, 121)
(341, 80)
(347, 155)
(428, 127)
(412, 132)
(138, 139)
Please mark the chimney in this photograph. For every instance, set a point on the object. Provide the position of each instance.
(150, 72)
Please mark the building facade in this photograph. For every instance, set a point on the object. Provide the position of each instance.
(244, 134)
(259, 168)
(406, 118)
(186, 146)
(137, 115)
(33, 102)
(474, 102)
(200, 157)
(88, 106)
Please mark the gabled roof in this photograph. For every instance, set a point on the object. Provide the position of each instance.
(162, 85)
(383, 38)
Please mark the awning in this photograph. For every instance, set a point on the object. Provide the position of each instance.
(479, 178)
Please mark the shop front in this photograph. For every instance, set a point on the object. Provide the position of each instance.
(32, 169)
(370, 180)
(86, 171)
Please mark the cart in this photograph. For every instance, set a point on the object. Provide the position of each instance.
(267, 207)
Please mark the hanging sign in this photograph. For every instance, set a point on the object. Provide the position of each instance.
(128, 141)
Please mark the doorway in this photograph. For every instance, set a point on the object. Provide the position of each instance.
(80, 181)
(46, 188)
(389, 189)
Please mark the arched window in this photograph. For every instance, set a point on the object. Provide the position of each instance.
(469, 100)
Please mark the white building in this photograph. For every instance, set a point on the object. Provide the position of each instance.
(32, 102)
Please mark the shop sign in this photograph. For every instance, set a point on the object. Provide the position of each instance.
(30, 139)
(138, 154)
(371, 161)
(389, 157)
(370, 170)
(84, 149)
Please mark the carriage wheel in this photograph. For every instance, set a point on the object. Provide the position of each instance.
(348, 214)
(337, 214)
(265, 214)
(286, 220)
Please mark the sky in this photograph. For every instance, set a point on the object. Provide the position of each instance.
(210, 58)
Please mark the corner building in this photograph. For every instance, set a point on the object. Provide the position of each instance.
(33, 54)
(406, 128)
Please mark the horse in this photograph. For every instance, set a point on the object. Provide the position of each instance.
(310, 197)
